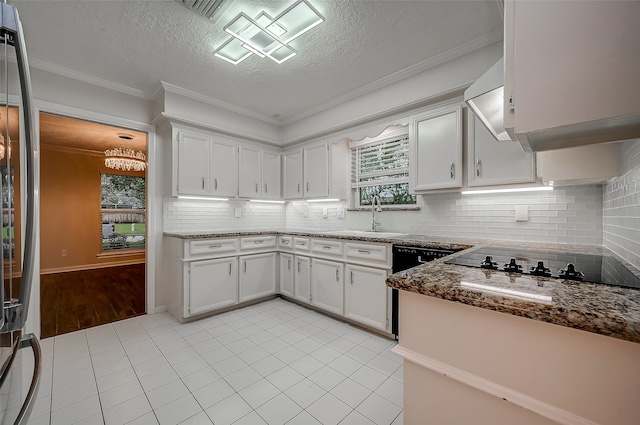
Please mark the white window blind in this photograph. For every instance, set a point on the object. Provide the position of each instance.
(380, 162)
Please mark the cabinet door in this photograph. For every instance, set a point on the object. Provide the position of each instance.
(437, 150)
(286, 274)
(292, 180)
(327, 285)
(316, 171)
(492, 162)
(271, 181)
(213, 284)
(365, 296)
(302, 279)
(257, 276)
(250, 173)
(223, 169)
(193, 165)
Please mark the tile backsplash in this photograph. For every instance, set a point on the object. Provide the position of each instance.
(195, 215)
(621, 207)
(569, 214)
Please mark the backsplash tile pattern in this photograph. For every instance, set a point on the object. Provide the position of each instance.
(621, 207)
(195, 215)
(569, 214)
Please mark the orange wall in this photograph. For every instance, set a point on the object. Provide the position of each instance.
(70, 212)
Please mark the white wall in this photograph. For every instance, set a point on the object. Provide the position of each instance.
(571, 214)
(621, 207)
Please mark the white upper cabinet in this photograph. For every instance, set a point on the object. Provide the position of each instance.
(571, 72)
(193, 165)
(436, 150)
(316, 171)
(491, 162)
(271, 173)
(250, 173)
(292, 175)
(223, 169)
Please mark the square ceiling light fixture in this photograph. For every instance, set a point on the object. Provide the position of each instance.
(266, 36)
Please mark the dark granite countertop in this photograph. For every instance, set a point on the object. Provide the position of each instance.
(603, 309)
(598, 308)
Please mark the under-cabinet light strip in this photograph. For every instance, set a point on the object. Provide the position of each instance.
(203, 198)
(264, 201)
(323, 200)
(515, 189)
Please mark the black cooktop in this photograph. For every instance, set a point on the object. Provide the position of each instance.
(580, 267)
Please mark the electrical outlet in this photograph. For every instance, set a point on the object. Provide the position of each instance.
(325, 212)
(522, 213)
(64, 252)
(340, 212)
(237, 212)
(305, 211)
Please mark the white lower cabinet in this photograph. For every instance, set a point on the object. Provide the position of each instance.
(257, 276)
(327, 285)
(365, 296)
(302, 279)
(213, 284)
(287, 267)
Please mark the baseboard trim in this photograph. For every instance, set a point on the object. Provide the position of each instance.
(78, 268)
(539, 407)
(159, 309)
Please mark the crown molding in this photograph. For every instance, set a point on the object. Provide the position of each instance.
(80, 76)
(215, 102)
(432, 62)
(75, 151)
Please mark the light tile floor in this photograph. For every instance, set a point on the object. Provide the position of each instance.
(271, 363)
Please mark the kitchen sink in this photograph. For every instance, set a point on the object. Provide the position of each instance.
(364, 233)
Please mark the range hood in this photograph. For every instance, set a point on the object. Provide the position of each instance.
(485, 97)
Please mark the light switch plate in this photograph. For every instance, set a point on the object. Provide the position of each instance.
(522, 213)
(325, 212)
(237, 212)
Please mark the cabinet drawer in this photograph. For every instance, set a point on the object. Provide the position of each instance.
(365, 252)
(327, 247)
(285, 242)
(258, 242)
(301, 244)
(212, 246)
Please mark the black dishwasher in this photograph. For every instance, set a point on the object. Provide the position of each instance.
(406, 257)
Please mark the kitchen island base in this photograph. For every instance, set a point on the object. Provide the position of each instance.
(466, 364)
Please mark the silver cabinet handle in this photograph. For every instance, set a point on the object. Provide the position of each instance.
(364, 251)
(299, 243)
(307, 186)
(478, 167)
(203, 182)
(215, 184)
(352, 277)
(245, 266)
(298, 266)
(229, 268)
(258, 241)
(326, 247)
(256, 187)
(337, 278)
(215, 246)
(298, 187)
(265, 188)
(452, 170)
(289, 264)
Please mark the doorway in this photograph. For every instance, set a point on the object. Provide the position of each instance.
(92, 225)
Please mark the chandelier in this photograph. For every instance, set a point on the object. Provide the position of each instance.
(125, 159)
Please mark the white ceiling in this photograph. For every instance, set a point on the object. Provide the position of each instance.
(363, 43)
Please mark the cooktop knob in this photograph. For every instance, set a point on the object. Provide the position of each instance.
(540, 270)
(513, 267)
(488, 263)
(570, 272)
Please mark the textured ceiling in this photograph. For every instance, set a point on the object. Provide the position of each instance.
(137, 44)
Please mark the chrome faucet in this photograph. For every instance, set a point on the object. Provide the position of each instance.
(376, 205)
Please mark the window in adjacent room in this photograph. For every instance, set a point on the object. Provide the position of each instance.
(381, 166)
(123, 212)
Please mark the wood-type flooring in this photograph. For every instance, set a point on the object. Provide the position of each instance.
(78, 300)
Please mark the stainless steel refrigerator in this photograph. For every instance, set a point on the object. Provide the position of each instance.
(20, 356)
